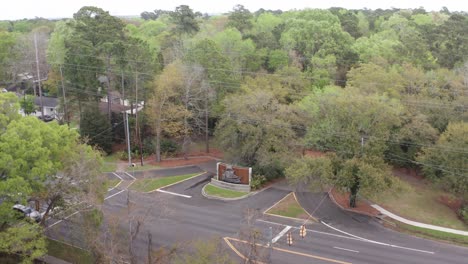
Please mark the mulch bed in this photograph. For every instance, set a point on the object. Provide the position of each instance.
(181, 162)
(342, 199)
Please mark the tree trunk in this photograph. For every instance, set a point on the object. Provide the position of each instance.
(158, 142)
(353, 194)
(108, 89)
(207, 140)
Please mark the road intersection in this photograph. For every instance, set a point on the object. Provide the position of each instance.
(181, 213)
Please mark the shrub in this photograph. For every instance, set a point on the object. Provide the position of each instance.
(149, 146)
(271, 172)
(257, 181)
(168, 146)
(463, 212)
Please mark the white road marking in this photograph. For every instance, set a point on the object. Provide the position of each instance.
(117, 176)
(58, 222)
(376, 242)
(310, 230)
(355, 251)
(350, 236)
(173, 193)
(110, 196)
(286, 229)
(129, 175)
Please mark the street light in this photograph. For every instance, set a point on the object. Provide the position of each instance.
(303, 231)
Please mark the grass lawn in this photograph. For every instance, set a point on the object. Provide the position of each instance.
(224, 193)
(68, 253)
(110, 163)
(433, 234)
(142, 168)
(421, 203)
(151, 184)
(289, 207)
(108, 167)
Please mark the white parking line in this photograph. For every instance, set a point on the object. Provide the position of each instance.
(350, 250)
(58, 222)
(286, 229)
(110, 196)
(117, 176)
(173, 193)
(131, 176)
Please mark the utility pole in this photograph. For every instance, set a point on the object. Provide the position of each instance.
(108, 88)
(38, 77)
(127, 133)
(65, 112)
(137, 126)
(123, 89)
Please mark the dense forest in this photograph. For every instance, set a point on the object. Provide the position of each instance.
(370, 88)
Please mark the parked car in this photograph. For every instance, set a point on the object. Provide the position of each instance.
(28, 212)
(47, 118)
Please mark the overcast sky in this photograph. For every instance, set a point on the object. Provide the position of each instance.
(18, 9)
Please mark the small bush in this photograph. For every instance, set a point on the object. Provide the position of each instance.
(168, 146)
(271, 172)
(463, 212)
(257, 181)
(149, 146)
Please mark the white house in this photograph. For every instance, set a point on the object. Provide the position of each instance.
(50, 105)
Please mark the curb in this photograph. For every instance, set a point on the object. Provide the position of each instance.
(222, 198)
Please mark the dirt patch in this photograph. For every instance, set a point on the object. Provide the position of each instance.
(452, 203)
(342, 199)
(410, 175)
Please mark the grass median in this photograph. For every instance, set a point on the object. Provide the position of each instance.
(151, 184)
(288, 207)
(223, 193)
(432, 234)
(68, 253)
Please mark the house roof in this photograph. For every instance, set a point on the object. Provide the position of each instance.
(46, 101)
(115, 108)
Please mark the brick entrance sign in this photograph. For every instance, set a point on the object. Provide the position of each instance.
(233, 177)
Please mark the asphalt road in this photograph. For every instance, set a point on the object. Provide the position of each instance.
(341, 238)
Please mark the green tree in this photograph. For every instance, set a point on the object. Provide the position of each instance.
(27, 105)
(7, 43)
(406, 142)
(240, 18)
(25, 240)
(370, 78)
(239, 51)
(9, 109)
(96, 128)
(164, 112)
(258, 130)
(318, 33)
(95, 42)
(448, 42)
(43, 162)
(446, 161)
(356, 128)
(185, 20)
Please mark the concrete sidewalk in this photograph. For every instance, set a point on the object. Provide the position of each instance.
(413, 223)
